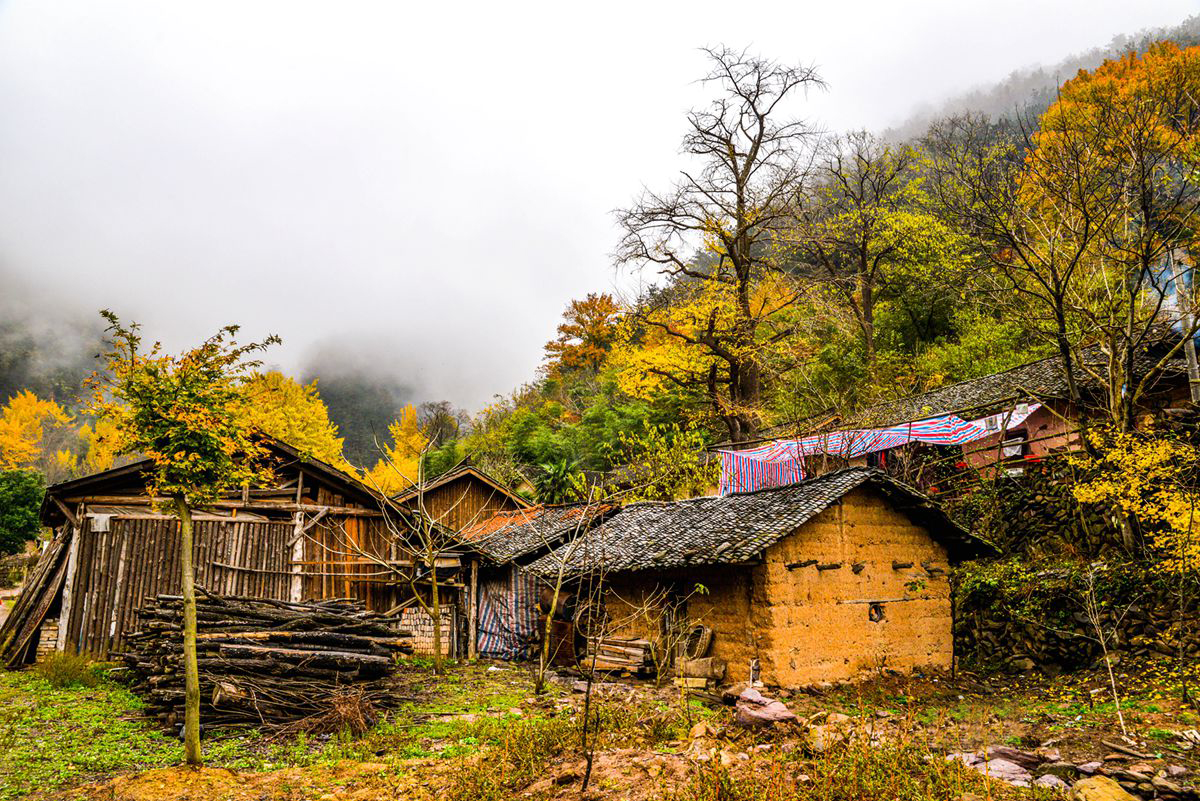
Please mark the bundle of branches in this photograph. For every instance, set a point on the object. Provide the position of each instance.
(264, 661)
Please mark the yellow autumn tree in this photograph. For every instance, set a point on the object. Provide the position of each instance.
(287, 410)
(682, 341)
(1147, 478)
(399, 467)
(101, 444)
(25, 422)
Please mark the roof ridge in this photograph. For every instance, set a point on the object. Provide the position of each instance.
(907, 398)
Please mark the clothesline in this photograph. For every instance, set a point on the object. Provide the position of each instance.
(782, 462)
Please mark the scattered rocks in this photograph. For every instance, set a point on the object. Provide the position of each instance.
(1063, 770)
(1023, 758)
(1165, 786)
(1005, 771)
(1050, 780)
(755, 709)
(1100, 788)
(1089, 768)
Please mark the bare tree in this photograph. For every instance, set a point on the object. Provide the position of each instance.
(849, 225)
(976, 172)
(1084, 217)
(750, 163)
(562, 557)
(416, 545)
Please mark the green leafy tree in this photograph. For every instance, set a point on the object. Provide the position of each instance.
(188, 414)
(21, 493)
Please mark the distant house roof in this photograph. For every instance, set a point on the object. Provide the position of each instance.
(462, 471)
(131, 478)
(1039, 380)
(511, 536)
(736, 529)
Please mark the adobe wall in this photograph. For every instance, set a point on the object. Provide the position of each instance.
(725, 607)
(816, 625)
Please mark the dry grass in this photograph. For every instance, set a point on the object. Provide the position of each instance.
(63, 669)
(350, 712)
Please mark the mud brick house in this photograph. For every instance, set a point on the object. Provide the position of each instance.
(822, 580)
(313, 533)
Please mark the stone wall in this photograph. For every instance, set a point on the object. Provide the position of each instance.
(47, 638)
(1011, 616)
(418, 621)
(858, 589)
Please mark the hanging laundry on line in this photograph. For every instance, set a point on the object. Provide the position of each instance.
(779, 463)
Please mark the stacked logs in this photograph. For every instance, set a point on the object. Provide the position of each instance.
(264, 661)
(619, 653)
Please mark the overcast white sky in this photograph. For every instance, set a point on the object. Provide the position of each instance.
(426, 183)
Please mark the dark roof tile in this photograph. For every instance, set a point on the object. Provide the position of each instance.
(734, 528)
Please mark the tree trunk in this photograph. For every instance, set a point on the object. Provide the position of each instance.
(191, 668)
(436, 614)
(539, 684)
(868, 318)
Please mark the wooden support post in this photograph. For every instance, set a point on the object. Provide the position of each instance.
(473, 611)
(297, 588)
(64, 615)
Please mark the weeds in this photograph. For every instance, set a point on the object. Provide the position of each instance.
(64, 669)
(521, 750)
(855, 772)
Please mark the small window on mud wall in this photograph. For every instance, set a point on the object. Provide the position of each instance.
(875, 613)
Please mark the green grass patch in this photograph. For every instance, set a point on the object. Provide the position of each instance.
(52, 737)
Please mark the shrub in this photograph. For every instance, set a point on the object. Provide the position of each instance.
(64, 669)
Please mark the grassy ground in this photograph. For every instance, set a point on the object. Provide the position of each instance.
(479, 733)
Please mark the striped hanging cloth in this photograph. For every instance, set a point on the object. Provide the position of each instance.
(776, 464)
(782, 462)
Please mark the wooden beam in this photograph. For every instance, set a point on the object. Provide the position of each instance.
(67, 513)
(473, 611)
(68, 596)
(259, 505)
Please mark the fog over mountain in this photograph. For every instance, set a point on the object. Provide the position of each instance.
(411, 196)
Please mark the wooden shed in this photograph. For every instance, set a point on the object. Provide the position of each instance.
(506, 620)
(823, 580)
(461, 498)
(314, 533)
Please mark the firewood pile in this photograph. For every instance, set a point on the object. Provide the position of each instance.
(263, 661)
(619, 653)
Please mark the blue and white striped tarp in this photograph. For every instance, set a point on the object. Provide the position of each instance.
(782, 462)
(508, 615)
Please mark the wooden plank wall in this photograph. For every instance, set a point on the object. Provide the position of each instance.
(333, 569)
(138, 558)
(460, 503)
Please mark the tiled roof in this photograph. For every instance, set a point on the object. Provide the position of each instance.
(509, 536)
(1040, 380)
(735, 528)
(1036, 380)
